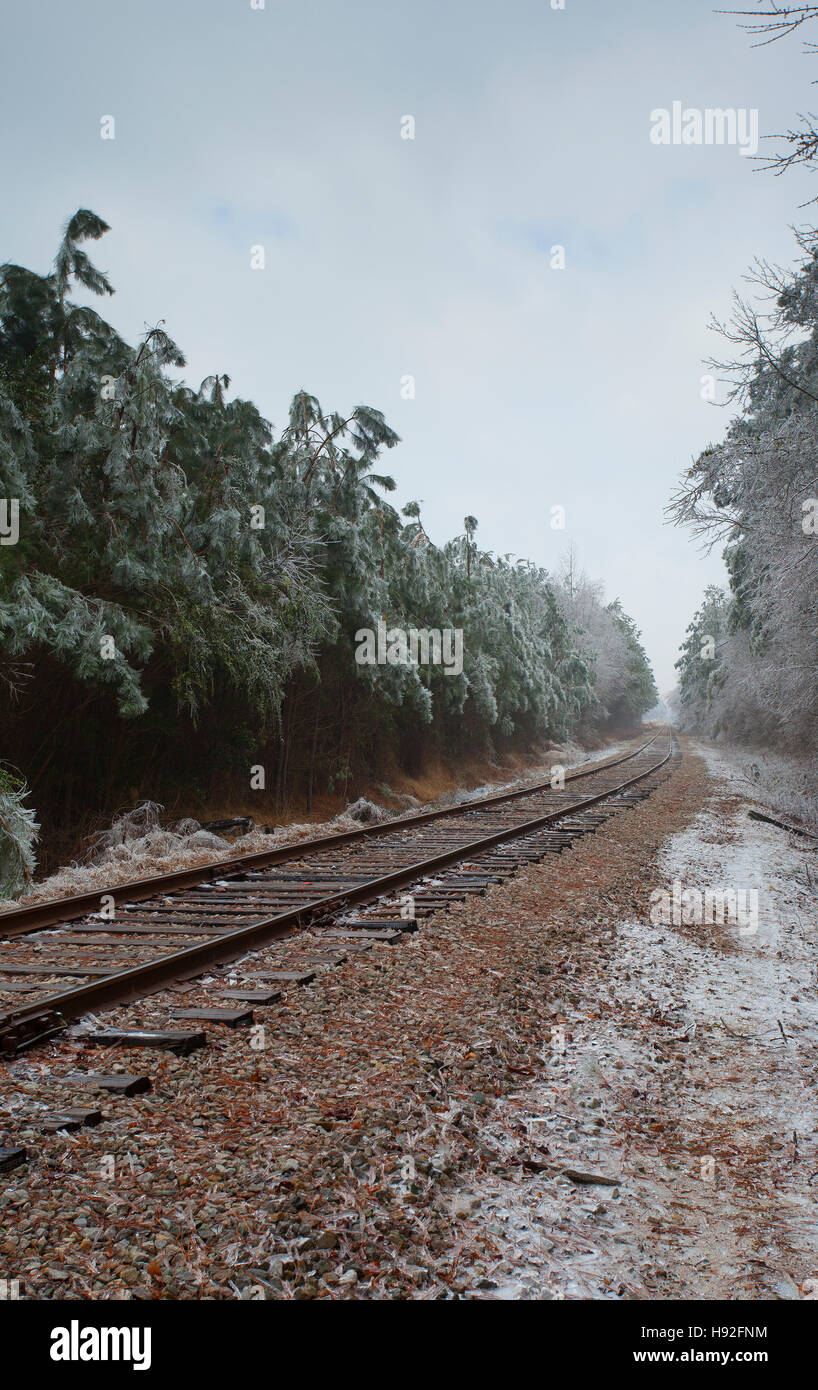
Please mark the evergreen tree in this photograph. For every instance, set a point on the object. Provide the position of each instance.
(183, 597)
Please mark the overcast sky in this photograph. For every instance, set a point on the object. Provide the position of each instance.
(386, 257)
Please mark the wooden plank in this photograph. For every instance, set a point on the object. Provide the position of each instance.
(181, 1042)
(289, 977)
(12, 1158)
(348, 944)
(67, 1119)
(294, 883)
(382, 923)
(369, 935)
(252, 996)
(123, 944)
(231, 1018)
(148, 928)
(56, 970)
(52, 1124)
(119, 1083)
(783, 825)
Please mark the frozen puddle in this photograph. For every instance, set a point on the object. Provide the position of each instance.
(691, 1075)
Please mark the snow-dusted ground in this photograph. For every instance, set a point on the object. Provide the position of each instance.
(691, 1076)
(785, 783)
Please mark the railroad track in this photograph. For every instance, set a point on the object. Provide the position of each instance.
(319, 899)
(235, 934)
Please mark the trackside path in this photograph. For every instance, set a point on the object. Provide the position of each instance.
(689, 1073)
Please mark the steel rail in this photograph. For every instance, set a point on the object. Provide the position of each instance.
(148, 977)
(53, 911)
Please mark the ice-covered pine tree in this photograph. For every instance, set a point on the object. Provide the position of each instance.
(18, 835)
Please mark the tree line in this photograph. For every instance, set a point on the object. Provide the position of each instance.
(181, 585)
(748, 667)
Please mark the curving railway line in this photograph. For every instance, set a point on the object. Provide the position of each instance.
(319, 900)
